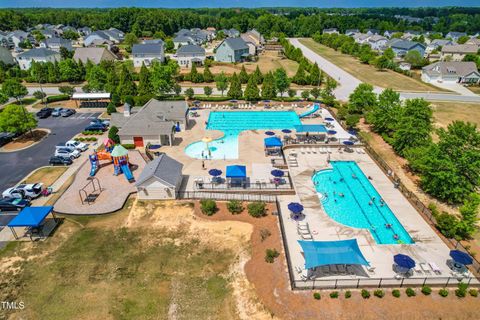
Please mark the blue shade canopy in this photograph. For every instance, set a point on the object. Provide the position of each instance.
(348, 143)
(154, 146)
(311, 128)
(295, 207)
(404, 261)
(30, 217)
(272, 142)
(215, 172)
(329, 119)
(236, 171)
(321, 253)
(277, 173)
(286, 131)
(461, 257)
(332, 132)
(270, 133)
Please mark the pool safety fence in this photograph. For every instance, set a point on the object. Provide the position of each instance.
(219, 196)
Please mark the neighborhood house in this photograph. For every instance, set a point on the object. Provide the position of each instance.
(451, 72)
(232, 50)
(190, 54)
(38, 55)
(147, 53)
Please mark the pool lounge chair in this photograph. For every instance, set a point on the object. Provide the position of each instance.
(306, 236)
(435, 268)
(417, 269)
(424, 267)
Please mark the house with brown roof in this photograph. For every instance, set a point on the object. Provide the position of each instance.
(451, 72)
(458, 52)
(94, 54)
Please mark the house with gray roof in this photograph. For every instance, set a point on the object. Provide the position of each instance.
(109, 36)
(232, 50)
(451, 72)
(25, 59)
(458, 52)
(160, 179)
(56, 43)
(401, 47)
(156, 122)
(439, 43)
(190, 54)
(6, 56)
(377, 42)
(93, 54)
(351, 32)
(147, 53)
(455, 35)
(231, 33)
(182, 40)
(18, 36)
(84, 31)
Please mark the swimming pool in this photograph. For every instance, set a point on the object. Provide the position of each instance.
(232, 123)
(349, 198)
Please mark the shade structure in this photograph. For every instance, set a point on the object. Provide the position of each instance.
(404, 261)
(286, 131)
(329, 119)
(332, 132)
(272, 142)
(321, 253)
(295, 207)
(236, 171)
(270, 133)
(277, 173)
(215, 172)
(348, 143)
(206, 139)
(461, 257)
(119, 151)
(30, 217)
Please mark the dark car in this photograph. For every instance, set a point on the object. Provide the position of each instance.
(96, 127)
(67, 112)
(44, 113)
(13, 204)
(60, 161)
(6, 137)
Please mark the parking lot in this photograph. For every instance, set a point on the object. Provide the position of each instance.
(16, 165)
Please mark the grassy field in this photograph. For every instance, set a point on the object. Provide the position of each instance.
(445, 112)
(367, 73)
(26, 101)
(47, 175)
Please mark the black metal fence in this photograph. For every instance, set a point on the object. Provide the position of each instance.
(198, 195)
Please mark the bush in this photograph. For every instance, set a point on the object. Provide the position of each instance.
(379, 293)
(396, 293)
(410, 292)
(113, 134)
(208, 206)
(66, 90)
(142, 100)
(256, 209)
(316, 296)
(461, 292)
(270, 255)
(365, 294)
(60, 97)
(39, 95)
(473, 292)
(235, 206)
(334, 294)
(128, 146)
(426, 290)
(443, 292)
(264, 234)
(348, 294)
(111, 108)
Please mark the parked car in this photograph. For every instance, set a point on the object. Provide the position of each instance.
(13, 204)
(60, 161)
(67, 152)
(44, 113)
(57, 112)
(100, 121)
(67, 112)
(6, 137)
(80, 146)
(96, 127)
(24, 191)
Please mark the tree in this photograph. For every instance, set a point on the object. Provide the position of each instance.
(39, 95)
(96, 77)
(282, 83)
(292, 93)
(66, 90)
(126, 86)
(300, 76)
(113, 134)
(189, 93)
(235, 90)
(463, 39)
(144, 84)
(207, 74)
(315, 92)
(221, 82)
(316, 76)
(13, 88)
(269, 91)
(252, 93)
(258, 76)
(382, 62)
(195, 77)
(177, 89)
(389, 53)
(305, 94)
(243, 76)
(384, 115)
(169, 45)
(16, 119)
(469, 212)
(163, 76)
(207, 90)
(362, 99)
(111, 108)
(65, 53)
(3, 97)
(70, 70)
(130, 39)
(414, 58)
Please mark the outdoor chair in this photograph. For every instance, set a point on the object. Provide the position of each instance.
(302, 225)
(424, 267)
(341, 269)
(298, 269)
(333, 268)
(418, 269)
(435, 268)
(303, 232)
(306, 236)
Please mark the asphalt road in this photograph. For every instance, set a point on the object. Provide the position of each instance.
(14, 166)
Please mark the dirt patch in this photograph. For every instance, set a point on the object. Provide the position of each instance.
(26, 140)
(47, 175)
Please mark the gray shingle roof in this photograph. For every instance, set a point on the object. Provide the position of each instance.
(460, 48)
(190, 49)
(405, 44)
(457, 68)
(165, 169)
(6, 56)
(150, 49)
(37, 53)
(236, 43)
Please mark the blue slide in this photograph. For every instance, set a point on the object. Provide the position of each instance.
(93, 170)
(126, 171)
(314, 109)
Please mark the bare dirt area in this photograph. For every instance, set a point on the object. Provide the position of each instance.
(26, 140)
(46, 175)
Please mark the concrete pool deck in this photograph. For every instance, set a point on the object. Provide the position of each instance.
(428, 246)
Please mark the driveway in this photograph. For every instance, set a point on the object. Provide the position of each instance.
(14, 166)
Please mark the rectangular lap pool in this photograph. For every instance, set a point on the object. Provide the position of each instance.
(349, 198)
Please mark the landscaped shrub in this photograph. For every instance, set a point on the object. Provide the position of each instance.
(396, 293)
(426, 290)
(208, 206)
(334, 294)
(270, 255)
(443, 292)
(128, 146)
(473, 292)
(461, 292)
(379, 293)
(410, 292)
(264, 234)
(348, 294)
(235, 206)
(365, 294)
(316, 295)
(60, 97)
(256, 209)
(113, 134)
(111, 108)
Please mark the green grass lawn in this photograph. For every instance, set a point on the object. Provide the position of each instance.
(26, 101)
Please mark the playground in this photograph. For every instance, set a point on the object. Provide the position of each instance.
(103, 183)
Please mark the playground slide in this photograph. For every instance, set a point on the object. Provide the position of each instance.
(93, 170)
(314, 108)
(126, 171)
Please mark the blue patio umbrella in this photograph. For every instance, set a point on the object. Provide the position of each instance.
(215, 172)
(352, 132)
(332, 132)
(277, 173)
(286, 131)
(404, 261)
(348, 143)
(329, 119)
(461, 257)
(154, 146)
(270, 133)
(295, 207)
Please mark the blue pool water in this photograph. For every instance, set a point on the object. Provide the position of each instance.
(353, 209)
(232, 123)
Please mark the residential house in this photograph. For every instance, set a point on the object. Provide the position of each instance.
(330, 31)
(232, 50)
(5, 40)
(109, 36)
(410, 34)
(56, 43)
(455, 35)
(17, 36)
(372, 32)
(147, 53)
(458, 52)
(451, 72)
(474, 41)
(401, 47)
(156, 122)
(377, 42)
(389, 33)
(438, 43)
(160, 179)
(153, 41)
(190, 54)
(94, 55)
(254, 40)
(84, 31)
(192, 36)
(351, 32)
(49, 33)
(25, 59)
(405, 66)
(6, 56)
(231, 33)
(181, 40)
(360, 38)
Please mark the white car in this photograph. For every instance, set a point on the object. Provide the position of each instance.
(24, 191)
(67, 152)
(80, 146)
